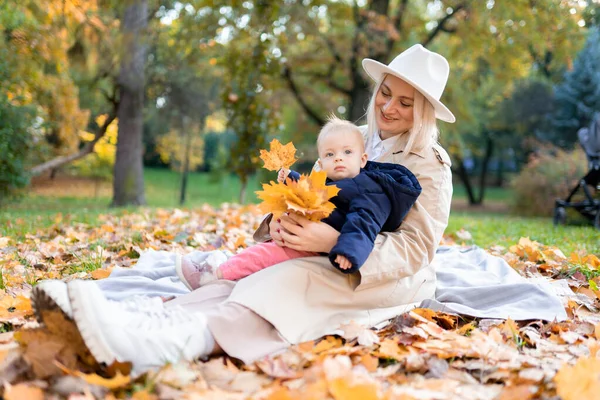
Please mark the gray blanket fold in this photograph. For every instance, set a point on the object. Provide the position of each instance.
(469, 281)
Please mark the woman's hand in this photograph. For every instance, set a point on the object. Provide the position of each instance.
(298, 233)
(274, 231)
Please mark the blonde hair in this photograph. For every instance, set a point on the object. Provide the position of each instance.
(424, 132)
(335, 124)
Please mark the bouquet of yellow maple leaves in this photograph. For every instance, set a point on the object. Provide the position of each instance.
(309, 196)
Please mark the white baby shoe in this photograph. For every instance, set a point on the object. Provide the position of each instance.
(199, 267)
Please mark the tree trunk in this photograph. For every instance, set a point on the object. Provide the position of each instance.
(243, 191)
(500, 172)
(128, 182)
(489, 151)
(359, 100)
(186, 160)
(464, 177)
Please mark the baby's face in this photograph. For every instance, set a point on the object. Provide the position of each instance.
(341, 154)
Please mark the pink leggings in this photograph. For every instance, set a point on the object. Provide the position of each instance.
(257, 257)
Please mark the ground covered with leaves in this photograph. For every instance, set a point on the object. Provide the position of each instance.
(418, 355)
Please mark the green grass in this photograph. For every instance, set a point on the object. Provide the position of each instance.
(162, 190)
(33, 212)
(505, 230)
(88, 263)
(491, 193)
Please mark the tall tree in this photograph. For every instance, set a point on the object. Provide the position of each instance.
(578, 96)
(247, 91)
(128, 183)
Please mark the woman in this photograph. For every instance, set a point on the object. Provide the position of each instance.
(301, 299)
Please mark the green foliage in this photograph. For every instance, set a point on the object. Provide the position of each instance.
(101, 162)
(16, 124)
(578, 96)
(246, 95)
(550, 174)
(175, 147)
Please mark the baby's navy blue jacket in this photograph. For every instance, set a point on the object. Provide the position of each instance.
(376, 200)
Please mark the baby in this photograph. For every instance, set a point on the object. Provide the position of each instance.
(373, 197)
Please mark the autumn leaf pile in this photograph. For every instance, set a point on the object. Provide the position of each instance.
(418, 355)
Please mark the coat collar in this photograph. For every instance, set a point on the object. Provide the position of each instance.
(401, 144)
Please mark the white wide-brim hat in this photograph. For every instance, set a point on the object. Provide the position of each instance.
(424, 70)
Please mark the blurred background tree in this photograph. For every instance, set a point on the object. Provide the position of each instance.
(578, 95)
(276, 69)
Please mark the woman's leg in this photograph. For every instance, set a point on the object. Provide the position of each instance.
(237, 331)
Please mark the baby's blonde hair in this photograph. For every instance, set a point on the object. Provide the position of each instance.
(335, 124)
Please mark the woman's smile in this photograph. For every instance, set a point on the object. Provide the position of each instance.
(387, 118)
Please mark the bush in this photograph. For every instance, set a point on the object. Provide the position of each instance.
(550, 174)
(15, 142)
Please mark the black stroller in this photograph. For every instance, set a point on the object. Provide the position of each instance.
(589, 207)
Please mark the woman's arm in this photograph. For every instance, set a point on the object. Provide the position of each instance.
(298, 233)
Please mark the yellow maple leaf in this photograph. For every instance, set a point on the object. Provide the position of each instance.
(309, 196)
(15, 307)
(580, 381)
(279, 156)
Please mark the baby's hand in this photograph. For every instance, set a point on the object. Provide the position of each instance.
(283, 173)
(343, 262)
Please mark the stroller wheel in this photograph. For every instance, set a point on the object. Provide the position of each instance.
(597, 219)
(560, 216)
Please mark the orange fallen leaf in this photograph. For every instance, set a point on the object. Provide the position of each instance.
(101, 273)
(279, 156)
(14, 307)
(280, 393)
(346, 389)
(118, 381)
(509, 328)
(144, 395)
(306, 346)
(465, 329)
(592, 260)
(23, 391)
(580, 381)
(370, 363)
(426, 313)
(389, 349)
(328, 343)
(518, 392)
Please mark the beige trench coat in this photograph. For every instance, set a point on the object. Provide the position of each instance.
(307, 298)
